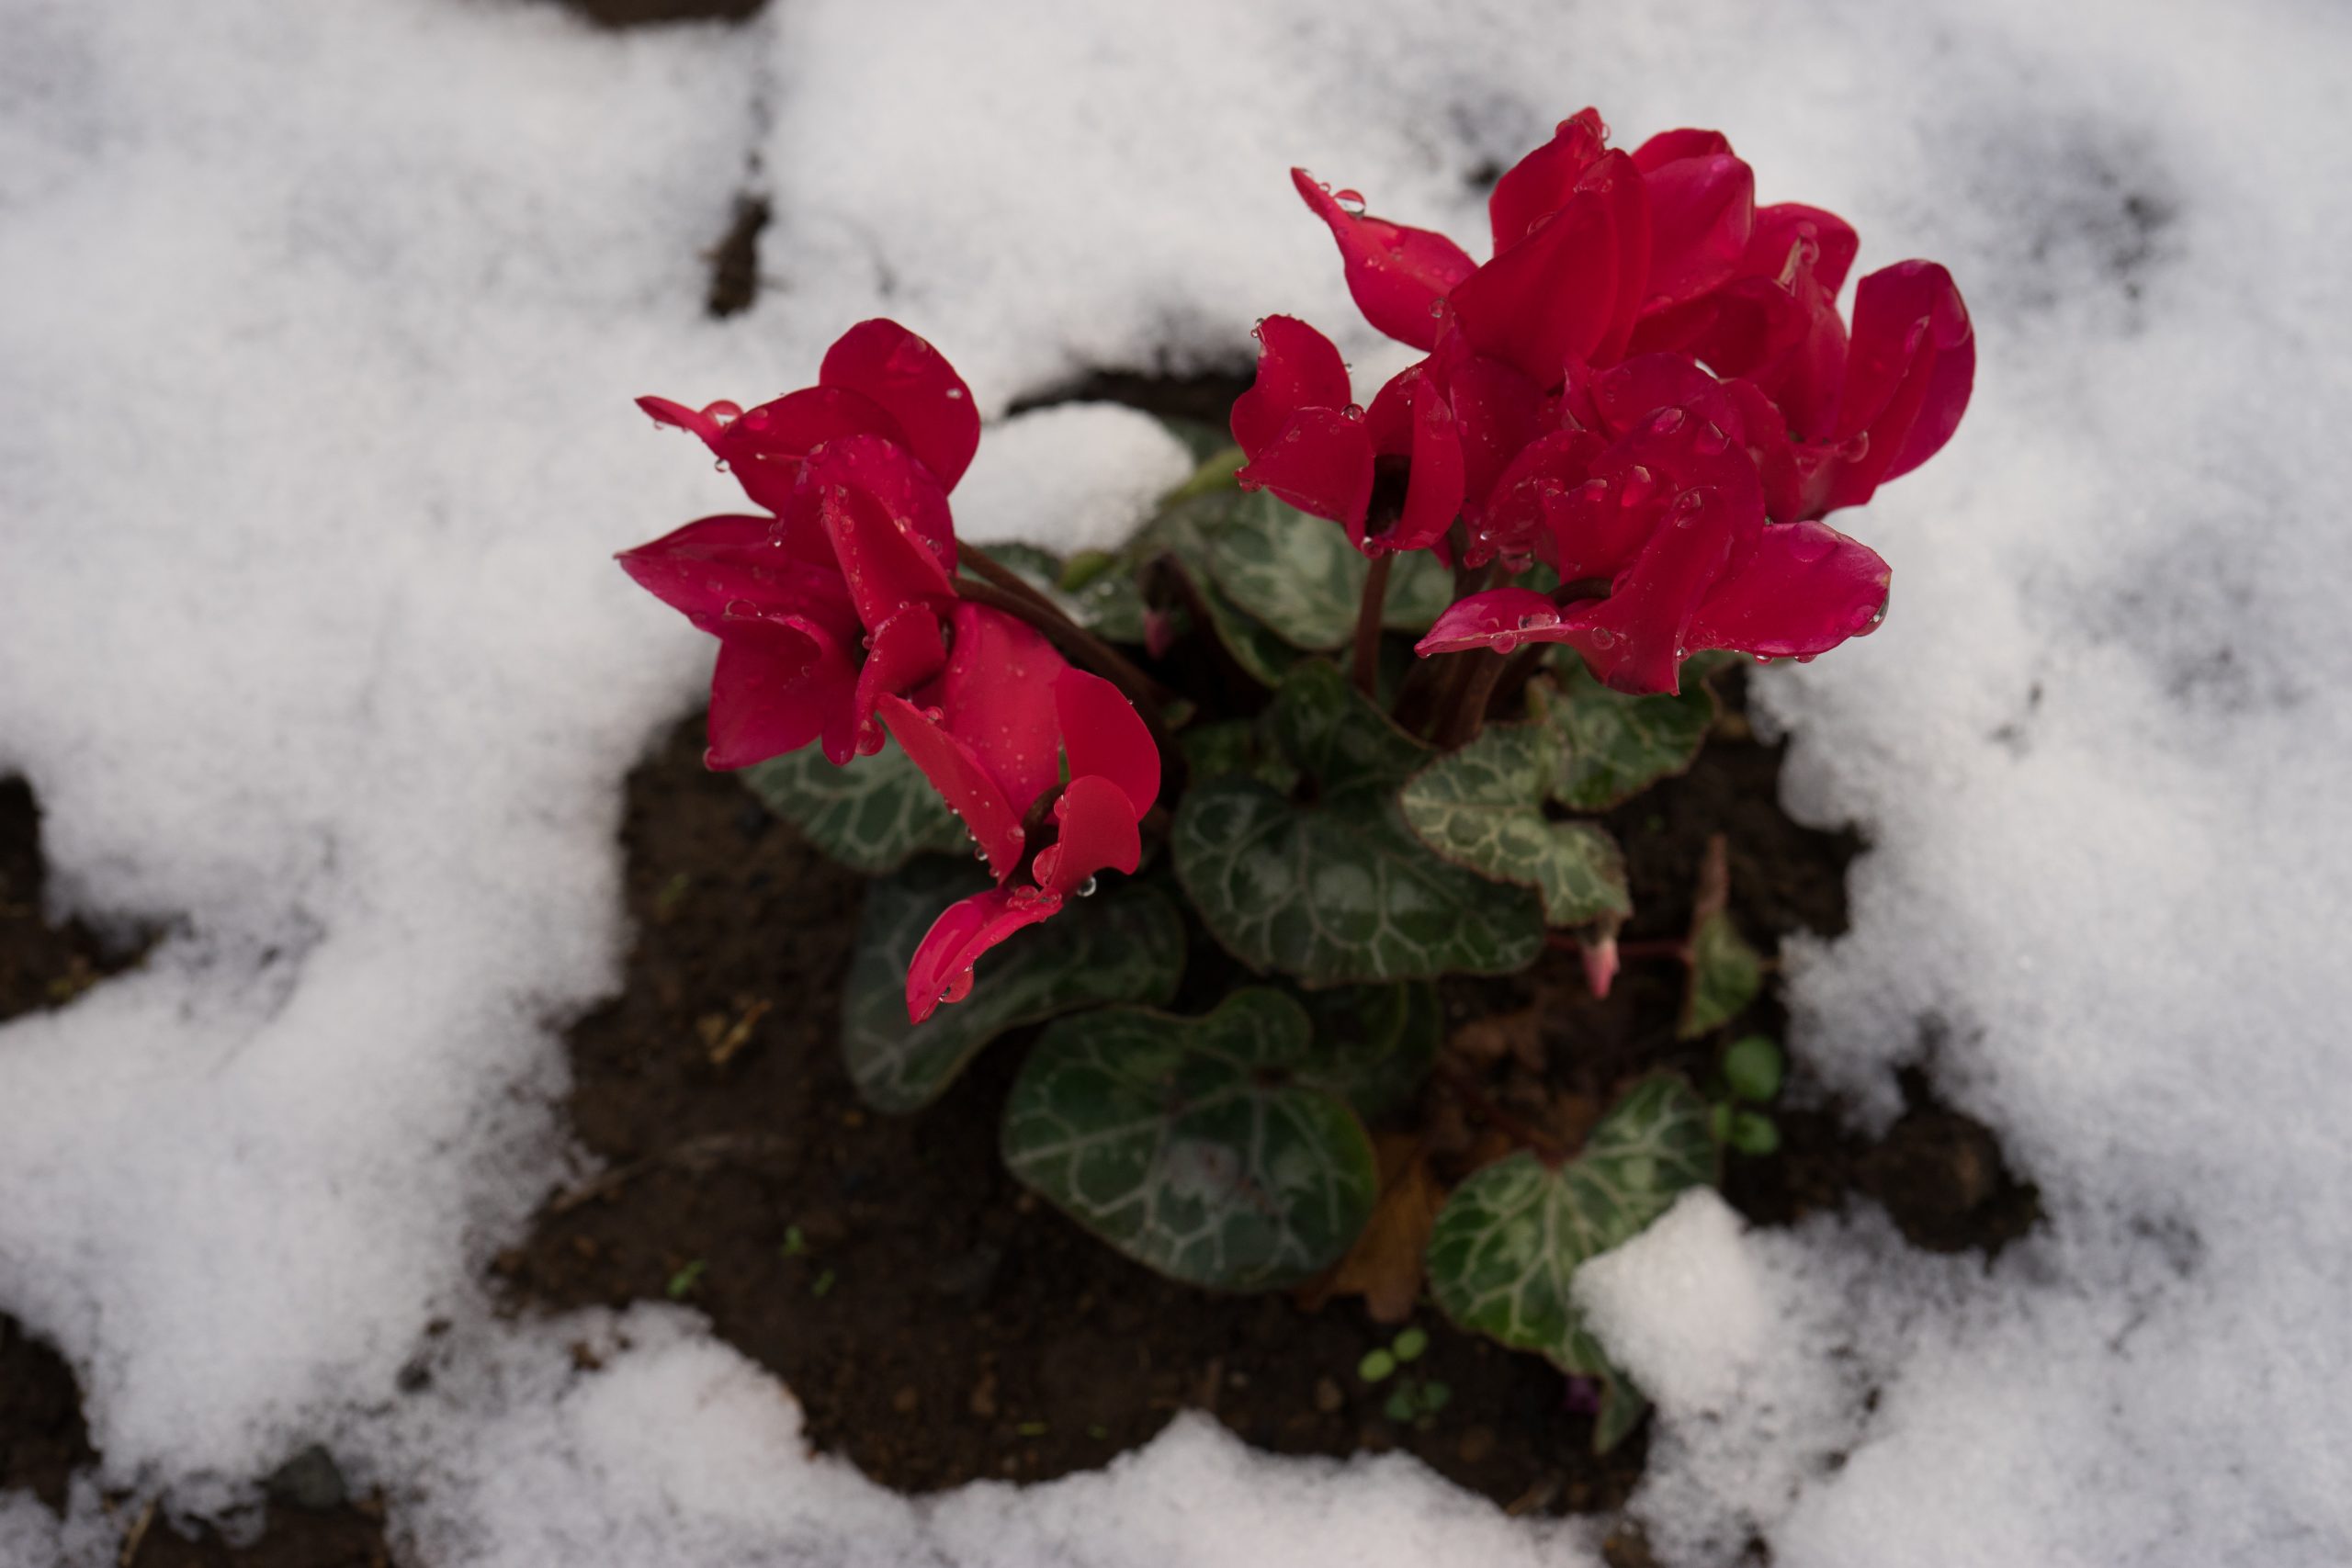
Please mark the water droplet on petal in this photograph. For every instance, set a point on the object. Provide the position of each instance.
(1603, 637)
(1354, 411)
(1437, 309)
(1667, 421)
(1086, 890)
(936, 715)
(720, 465)
(1639, 484)
(1505, 642)
(723, 411)
(954, 394)
(1709, 439)
(1539, 620)
(1350, 202)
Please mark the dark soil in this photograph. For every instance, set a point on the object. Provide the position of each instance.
(656, 13)
(41, 965)
(940, 1326)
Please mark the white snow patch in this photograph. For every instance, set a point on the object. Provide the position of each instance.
(319, 328)
(1084, 475)
(1682, 1307)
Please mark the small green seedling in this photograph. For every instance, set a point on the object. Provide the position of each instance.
(1752, 1070)
(821, 1285)
(795, 1244)
(682, 1282)
(1415, 1400)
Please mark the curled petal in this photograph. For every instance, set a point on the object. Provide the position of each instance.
(1500, 619)
(1703, 213)
(902, 653)
(887, 521)
(1634, 640)
(1909, 374)
(1297, 368)
(942, 969)
(1105, 737)
(1783, 227)
(1398, 275)
(996, 695)
(781, 682)
(1806, 589)
(962, 779)
(1572, 288)
(900, 373)
(765, 448)
(1538, 185)
(1321, 464)
(706, 422)
(703, 568)
(1531, 491)
(1434, 488)
(1098, 833)
(1605, 528)
(1630, 394)
(1497, 410)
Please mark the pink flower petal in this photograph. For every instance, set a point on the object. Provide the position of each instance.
(1497, 410)
(780, 682)
(1297, 368)
(1806, 589)
(765, 448)
(902, 653)
(996, 695)
(1398, 275)
(902, 374)
(1500, 619)
(1321, 464)
(1635, 640)
(942, 969)
(1703, 212)
(1435, 487)
(1538, 185)
(1531, 491)
(1571, 288)
(1105, 737)
(1908, 373)
(701, 569)
(962, 779)
(1098, 833)
(887, 521)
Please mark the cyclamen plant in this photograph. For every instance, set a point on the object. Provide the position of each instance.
(1607, 475)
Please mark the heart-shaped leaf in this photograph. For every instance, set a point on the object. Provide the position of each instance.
(872, 815)
(1300, 577)
(1373, 1045)
(1105, 599)
(1336, 889)
(1192, 1144)
(1619, 745)
(1725, 973)
(1483, 807)
(1124, 946)
(1511, 1236)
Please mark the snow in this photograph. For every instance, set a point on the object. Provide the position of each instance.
(315, 352)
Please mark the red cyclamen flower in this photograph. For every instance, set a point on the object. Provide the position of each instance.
(836, 600)
(1675, 489)
(1114, 769)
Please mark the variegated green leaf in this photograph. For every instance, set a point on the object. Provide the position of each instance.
(1726, 975)
(1300, 577)
(1483, 807)
(1618, 744)
(1191, 1143)
(1373, 1045)
(1510, 1239)
(1334, 888)
(1127, 945)
(872, 815)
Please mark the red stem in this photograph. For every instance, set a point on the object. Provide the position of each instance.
(1375, 598)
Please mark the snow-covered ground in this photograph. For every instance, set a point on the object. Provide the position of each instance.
(318, 326)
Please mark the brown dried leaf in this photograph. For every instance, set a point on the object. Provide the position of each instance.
(1384, 1265)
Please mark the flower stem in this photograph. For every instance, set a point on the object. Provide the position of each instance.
(1018, 599)
(1464, 713)
(1375, 599)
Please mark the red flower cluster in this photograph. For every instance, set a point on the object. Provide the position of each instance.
(837, 615)
(1648, 387)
